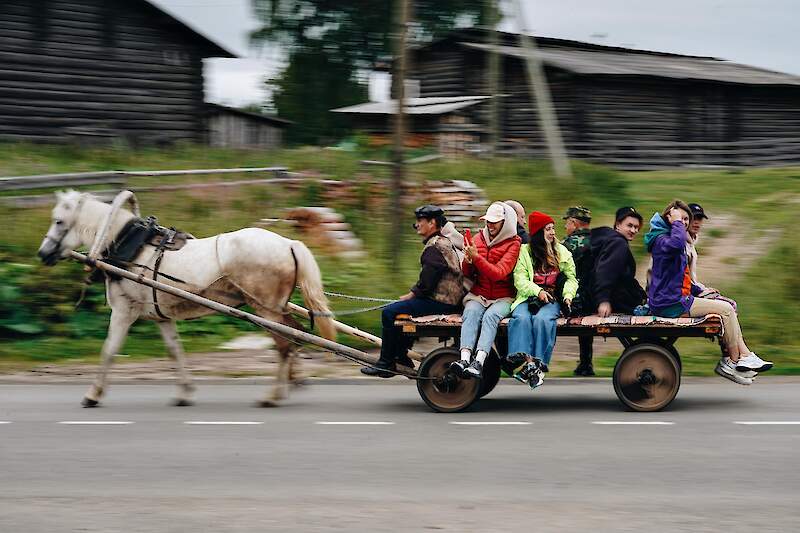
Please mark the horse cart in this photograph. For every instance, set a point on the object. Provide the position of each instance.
(646, 377)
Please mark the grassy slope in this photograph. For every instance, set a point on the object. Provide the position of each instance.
(762, 198)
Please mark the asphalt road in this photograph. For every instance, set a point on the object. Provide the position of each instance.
(554, 459)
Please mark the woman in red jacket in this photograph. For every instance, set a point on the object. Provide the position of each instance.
(489, 262)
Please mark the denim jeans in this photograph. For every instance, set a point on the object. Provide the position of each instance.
(533, 334)
(394, 345)
(476, 318)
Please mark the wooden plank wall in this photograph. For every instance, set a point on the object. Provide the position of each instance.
(73, 67)
(236, 131)
(627, 122)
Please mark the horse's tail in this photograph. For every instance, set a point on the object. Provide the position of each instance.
(310, 280)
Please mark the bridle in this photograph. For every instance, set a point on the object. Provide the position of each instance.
(66, 230)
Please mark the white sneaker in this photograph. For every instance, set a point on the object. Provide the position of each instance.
(754, 363)
(727, 369)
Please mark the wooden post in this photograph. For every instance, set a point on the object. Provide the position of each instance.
(493, 73)
(540, 92)
(398, 170)
(269, 325)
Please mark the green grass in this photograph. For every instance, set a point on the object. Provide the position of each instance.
(768, 293)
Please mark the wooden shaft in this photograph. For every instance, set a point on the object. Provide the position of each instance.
(350, 330)
(269, 325)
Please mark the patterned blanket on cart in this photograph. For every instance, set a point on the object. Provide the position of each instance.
(590, 321)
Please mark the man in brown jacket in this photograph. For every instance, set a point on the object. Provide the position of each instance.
(438, 290)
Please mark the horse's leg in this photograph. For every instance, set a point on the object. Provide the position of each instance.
(169, 332)
(295, 379)
(280, 391)
(118, 326)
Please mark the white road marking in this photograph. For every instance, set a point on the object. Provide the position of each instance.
(4, 422)
(95, 422)
(770, 423)
(354, 423)
(491, 423)
(631, 423)
(222, 423)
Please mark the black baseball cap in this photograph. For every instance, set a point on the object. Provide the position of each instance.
(697, 211)
(428, 211)
(624, 212)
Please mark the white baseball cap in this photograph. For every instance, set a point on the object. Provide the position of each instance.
(495, 213)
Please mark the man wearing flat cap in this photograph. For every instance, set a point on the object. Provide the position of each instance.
(578, 241)
(438, 290)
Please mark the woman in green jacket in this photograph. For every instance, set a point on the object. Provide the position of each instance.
(532, 330)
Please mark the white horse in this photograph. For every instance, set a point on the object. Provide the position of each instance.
(250, 266)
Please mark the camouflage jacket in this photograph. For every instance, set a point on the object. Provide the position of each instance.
(579, 244)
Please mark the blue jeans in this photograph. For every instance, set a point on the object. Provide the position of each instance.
(476, 318)
(394, 345)
(533, 334)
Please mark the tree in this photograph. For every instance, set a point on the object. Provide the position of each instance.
(330, 41)
(306, 91)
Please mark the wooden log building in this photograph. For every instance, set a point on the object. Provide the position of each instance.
(630, 108)
(100, 69)
(229, 127)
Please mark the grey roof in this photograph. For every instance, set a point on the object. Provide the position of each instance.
(635, 63)
(433, 105)
(216, 48)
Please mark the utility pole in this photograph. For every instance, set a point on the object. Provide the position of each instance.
(398, 169)
(548, 121)
(493, 72)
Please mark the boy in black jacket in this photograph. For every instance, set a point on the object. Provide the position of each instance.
(614, 285)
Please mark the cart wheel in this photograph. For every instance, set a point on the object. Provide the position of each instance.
(448, 393)
(491, 374)
(647, 377)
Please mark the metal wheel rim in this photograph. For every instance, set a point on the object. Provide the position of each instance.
(634, 367)
(462, 393)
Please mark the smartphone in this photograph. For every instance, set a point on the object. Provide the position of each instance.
(467, 237)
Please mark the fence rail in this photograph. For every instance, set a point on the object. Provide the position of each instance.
(119, 177)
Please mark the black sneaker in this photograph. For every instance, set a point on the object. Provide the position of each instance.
(475, 370)
(406, 361)
(458, 367)
(533, 373)
(380, 369)
(584, 370)
(516, 359)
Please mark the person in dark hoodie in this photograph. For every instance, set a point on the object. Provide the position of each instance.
(614, 285)
(439, 290)
(672, 292)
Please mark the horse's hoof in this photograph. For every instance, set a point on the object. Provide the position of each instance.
(267, 403)
(182, 402)
(88, 402)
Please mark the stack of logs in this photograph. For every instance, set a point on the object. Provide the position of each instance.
(325, 228)
(463, 201)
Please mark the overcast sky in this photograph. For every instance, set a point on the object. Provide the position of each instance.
(764, 33)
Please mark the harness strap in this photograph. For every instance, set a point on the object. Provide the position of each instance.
(160, 252)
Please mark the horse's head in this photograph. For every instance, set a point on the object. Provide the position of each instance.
(63, 235)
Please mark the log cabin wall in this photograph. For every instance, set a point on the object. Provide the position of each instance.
(104, 68)
(628, 121)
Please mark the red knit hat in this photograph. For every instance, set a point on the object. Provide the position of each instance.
(537, 220)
